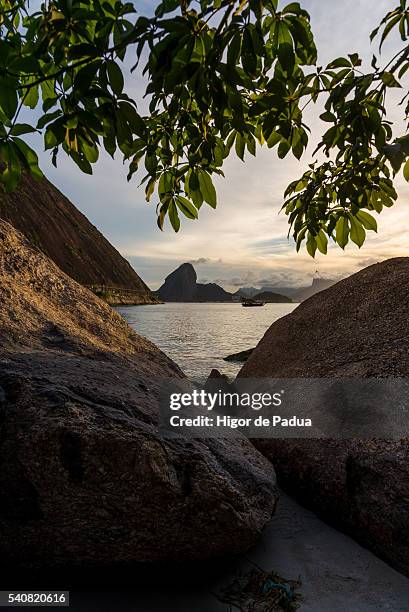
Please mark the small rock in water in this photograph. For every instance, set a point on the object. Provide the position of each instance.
(239, 357)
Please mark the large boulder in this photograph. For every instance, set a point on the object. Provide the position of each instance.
(85, 476)
(50, 221)
(358, 328)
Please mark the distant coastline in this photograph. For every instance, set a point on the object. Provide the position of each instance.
(181, 286)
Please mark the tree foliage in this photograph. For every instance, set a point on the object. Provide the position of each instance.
(223, 77)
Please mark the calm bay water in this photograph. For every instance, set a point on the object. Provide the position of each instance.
(198, 336)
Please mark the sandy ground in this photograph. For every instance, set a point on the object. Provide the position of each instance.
(337, 574)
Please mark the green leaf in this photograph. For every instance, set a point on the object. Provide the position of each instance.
(199, 50)
(286, 55)
(233, 51)
(239, 145)
(192, 181)
(192, 188)
(165, 183)
(342, 232)
(31, 96)
(389, 26)
(322, 242)
(406, 170)
(90, 151)
(115, 76)
(388, 188)
(166, 6)
(21, 128)
(42, 122)
(207, 189)
(248, 55)
(340, 62)
(327, 116)
(357, 232)
(300, 237)
(311, 244)
(134, 120)
(82, 163)
(187, 208)
(82, 50)
(367, 220)
(197, 198)
(162, 215)
(294, 7)
(403, 70)
(251, 145)
(48, 93)
(31, 159)
(283, 149)
(150, 188)
(174, 217)
(273, 139)
(8, 97)
(355, 59)
(10, 173)
(85, 76)
(389, 80)
(50, 140)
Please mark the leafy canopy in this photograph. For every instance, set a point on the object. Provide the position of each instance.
(224, 76)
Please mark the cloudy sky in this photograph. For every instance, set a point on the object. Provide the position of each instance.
(243, 242)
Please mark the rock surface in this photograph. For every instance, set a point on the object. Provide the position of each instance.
(358, 328)
(85, 477)
(239, 357)
(182, 286)
(51, 222)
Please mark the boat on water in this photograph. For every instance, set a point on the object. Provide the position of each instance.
(247, 302)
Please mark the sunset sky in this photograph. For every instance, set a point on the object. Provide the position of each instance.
(243, 242)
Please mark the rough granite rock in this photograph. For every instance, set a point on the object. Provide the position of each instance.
(239, 357)
(52, 223)
(357, 328)
(85, 477)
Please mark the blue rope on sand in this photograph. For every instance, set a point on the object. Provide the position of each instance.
(270, 584)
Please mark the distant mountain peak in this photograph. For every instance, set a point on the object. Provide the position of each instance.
(185, 269)
(181, 286)
(318, 284)
(296, 294)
